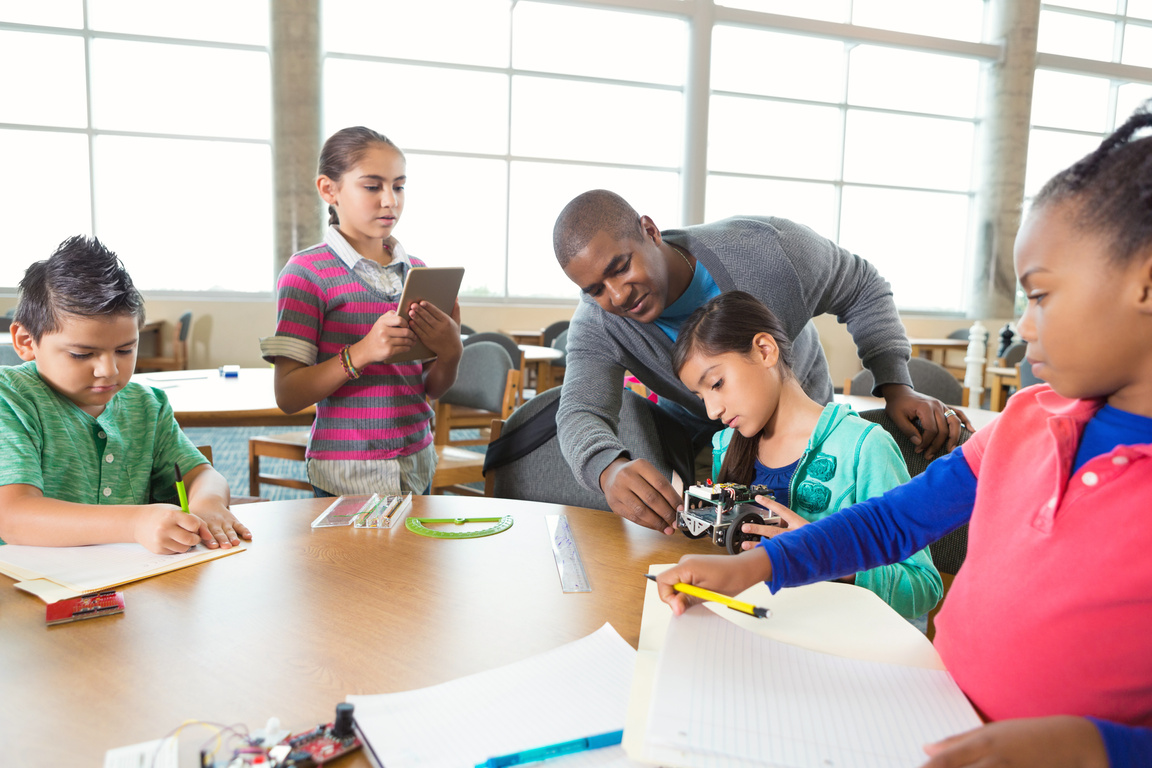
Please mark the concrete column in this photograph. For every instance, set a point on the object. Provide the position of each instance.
(296, 140)
(1003, 156)
(697, 92)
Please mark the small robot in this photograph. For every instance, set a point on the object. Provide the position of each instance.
(721, 510)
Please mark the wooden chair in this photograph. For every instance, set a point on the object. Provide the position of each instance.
(456, 468)
(179, 359)
(487, 387)
(289, 445)
(948, 553)
(514, 352)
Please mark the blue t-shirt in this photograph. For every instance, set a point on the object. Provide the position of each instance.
(778, 479)
(1109, 428)
(699, 292)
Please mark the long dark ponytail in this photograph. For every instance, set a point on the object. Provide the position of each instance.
(730, 323)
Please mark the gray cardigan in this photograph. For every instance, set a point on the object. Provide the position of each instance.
(795, 272)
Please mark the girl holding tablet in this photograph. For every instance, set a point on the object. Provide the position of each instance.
(339, 324)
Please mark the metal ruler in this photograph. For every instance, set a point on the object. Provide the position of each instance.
(568, 562)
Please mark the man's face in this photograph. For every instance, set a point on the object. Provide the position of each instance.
(626, 277)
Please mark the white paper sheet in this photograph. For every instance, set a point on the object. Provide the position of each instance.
(96, 567)
(577, 690)
(728, 697)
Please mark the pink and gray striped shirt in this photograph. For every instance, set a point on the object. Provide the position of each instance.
(321, 306)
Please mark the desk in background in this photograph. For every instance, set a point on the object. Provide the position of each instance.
(204, 398)
(937, 351)
(306, 617)
(978, 416)
(541, 359)
(532, 338)
(1001, 380)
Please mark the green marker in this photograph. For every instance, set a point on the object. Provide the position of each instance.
(182, 491)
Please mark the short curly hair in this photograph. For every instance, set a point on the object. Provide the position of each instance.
(589, 214)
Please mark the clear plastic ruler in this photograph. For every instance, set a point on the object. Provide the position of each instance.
(568, 562)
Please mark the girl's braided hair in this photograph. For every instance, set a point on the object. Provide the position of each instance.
(1111, 189)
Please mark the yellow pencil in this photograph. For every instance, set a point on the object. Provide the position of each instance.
(716, 597)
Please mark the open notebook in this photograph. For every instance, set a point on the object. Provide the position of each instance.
(833, 678)
(58, 573)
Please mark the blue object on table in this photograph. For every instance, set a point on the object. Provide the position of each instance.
(563, 748)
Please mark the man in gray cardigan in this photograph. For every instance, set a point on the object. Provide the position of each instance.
(639, 284)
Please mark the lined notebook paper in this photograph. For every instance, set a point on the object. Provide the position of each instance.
(577, 690)
(728, 697)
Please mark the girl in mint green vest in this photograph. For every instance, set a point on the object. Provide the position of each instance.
(734, 354)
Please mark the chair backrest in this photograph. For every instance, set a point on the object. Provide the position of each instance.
(928, 378)
(180, 343)
(543, 475)
(561, 343)
(183, 325)
(1014, 354)
(1027, 378)
(948, 552)
(507, 342)
(554, 330)
(482, 378)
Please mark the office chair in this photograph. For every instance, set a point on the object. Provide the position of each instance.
(928, 378)
(949, 551)
(525, 462)
(487, 387)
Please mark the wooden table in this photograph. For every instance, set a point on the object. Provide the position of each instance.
(541, 359)
(204, 398)
(978, 416)
(930, 348)
(307, 617)
(535, 337)
(1001, 380)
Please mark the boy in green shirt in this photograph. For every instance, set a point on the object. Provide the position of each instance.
(86, 451)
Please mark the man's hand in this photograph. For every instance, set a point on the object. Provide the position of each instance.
(1039, 742)
(940, 424)
(636, 491)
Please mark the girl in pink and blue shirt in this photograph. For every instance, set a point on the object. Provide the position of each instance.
(338, 324)
(1046, 627)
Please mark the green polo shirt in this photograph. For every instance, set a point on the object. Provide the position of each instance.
(127, 455)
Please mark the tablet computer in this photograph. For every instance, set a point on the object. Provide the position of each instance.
(439, 287)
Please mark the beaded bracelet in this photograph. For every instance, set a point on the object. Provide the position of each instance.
(346, 363)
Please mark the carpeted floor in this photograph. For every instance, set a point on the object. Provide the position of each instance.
(230, 457)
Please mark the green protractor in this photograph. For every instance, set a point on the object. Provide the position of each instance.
(417, 525)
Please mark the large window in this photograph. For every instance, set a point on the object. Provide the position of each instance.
(146, 124)
(871, 146)
(149, 124)
(505, 113)
(1085, 86)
